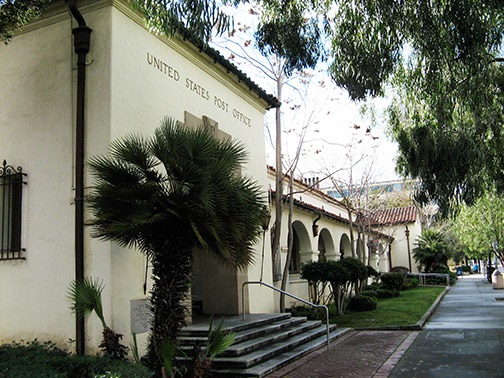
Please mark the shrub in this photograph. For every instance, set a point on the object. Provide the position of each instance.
(442, 280)
(47, 360)
(399, 269)
(410, 283)
(466, 269)
(311, 313)
(316, 273)
(373, 286)
(362, 303)
(386, 293)
(372, 272)
(393, 281)
(370, 293)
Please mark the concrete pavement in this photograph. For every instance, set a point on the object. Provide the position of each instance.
(464, 337)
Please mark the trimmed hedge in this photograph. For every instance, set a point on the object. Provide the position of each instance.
(380, 293)
(393, 281)
(311, 313)
(410, 283)
(362, 303)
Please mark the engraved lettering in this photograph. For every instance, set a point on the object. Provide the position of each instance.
(165, 68)
(198, 89)
(241, 117)
(221, 104)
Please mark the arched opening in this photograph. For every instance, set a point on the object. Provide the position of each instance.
(345, 246)
(325, 245)
(300, 244)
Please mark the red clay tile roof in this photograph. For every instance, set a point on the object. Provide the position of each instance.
(396, 215)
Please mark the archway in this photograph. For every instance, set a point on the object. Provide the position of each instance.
(326, 246)
(301, 245)
(345, 246)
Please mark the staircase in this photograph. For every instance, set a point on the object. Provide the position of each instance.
(264, 342)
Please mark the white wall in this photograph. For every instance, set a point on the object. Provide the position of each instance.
(36, 133)
(399, 247)
(125, 93)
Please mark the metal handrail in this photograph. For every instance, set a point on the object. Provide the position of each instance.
(422, 277)
(289, 295)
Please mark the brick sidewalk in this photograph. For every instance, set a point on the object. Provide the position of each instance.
(358, 354)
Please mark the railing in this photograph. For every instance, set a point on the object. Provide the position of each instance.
(289, 295)
(422, 277)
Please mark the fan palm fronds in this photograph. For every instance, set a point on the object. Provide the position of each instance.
(85, 297)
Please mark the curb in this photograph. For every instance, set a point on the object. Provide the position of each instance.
(428, 314)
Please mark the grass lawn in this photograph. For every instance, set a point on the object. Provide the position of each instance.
(406, 309)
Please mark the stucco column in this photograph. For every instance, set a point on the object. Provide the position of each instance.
(308, 256)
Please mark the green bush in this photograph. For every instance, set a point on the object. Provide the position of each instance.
(466, 269)
(399, 269)
(393, 281)
(386, 293)
(410, 283)
(311, 313)
(362, 303)
(442, 280)
(373, 286)
(45, 360)
(373, 293)
(372, 272)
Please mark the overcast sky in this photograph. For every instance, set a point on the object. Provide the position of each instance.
(334, 128)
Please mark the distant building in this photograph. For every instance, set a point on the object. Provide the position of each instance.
(384, 189)
(404, 226)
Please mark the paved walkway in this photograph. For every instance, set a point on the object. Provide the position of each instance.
(463, 338)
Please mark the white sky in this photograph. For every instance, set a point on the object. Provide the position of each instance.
(326, 115)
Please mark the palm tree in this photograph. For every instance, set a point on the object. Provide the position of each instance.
(432, 251)
(85, 297)
(170, 195)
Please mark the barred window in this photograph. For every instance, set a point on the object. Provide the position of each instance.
(11, 190)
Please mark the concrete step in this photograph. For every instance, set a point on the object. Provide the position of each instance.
(263, 344)
(259, 342)
(278, 361)
(253, 331)
(231, 323)
(257, 356)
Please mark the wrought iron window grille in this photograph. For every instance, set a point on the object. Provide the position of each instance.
(12, 180)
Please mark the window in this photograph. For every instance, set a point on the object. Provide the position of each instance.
(11, 189)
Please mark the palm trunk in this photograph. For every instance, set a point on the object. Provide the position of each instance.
(171, 272)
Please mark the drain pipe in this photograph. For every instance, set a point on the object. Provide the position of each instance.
(82, 40)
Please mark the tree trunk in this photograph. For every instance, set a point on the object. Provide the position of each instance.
(275, 248)
(290, 243)
(171, 273)
(351, 230)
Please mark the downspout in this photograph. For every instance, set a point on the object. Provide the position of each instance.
(82, 40)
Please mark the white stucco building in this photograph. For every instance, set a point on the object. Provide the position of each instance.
(404, 226)
(133, 80)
